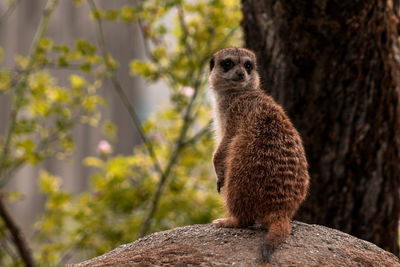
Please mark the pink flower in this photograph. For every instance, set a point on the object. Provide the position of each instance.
(104, 147)
(187, 91)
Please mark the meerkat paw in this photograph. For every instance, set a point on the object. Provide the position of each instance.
(220, 184)
(226, 223)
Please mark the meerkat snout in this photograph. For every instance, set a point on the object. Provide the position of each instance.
(239, 75)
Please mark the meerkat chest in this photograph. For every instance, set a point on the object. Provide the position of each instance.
(225, 123)
(220, 117)
(219, 124)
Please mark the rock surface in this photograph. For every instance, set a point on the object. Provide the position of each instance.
(204, 245)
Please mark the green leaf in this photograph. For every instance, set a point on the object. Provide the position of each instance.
(22, 62)
(62, 61)
(48, 183)
(86, 67)
(144, 69)
(27, 145)
(25, 125)
(76, 81)
(91, 102)
(5, 80)
(110, 130)
(85, 47)
(78, 2)
(112, 14)
(97, 14)
(59, 94)
(110, 62)
(67, 144)
(61, 48)
(14, 196)
(45, 44)
(127, 13)
(118, 167)
(160, 52)
(94, 162)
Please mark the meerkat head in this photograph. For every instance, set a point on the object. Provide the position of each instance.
(233, 69)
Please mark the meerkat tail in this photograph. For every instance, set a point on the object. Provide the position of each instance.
(278, 231)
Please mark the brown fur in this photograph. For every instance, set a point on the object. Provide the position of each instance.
(260, 159)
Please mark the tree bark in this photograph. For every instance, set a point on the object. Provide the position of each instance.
(332, 66)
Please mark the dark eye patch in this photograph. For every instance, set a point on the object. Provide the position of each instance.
(248, 66)
(227, 64)
(212, 63)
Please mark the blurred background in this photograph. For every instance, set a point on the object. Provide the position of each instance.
(90, 112)
(69, 23)
(105, 116)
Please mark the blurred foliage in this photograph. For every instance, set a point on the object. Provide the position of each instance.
(168, 180)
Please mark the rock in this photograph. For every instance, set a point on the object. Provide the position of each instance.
(204, 245)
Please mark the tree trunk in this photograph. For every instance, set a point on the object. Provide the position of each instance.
(332, 65)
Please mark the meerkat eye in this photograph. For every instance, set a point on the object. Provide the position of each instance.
(227, 64)
(248, 66)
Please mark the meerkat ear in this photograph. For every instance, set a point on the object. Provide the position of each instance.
(212, 63)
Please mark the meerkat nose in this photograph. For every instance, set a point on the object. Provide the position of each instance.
(239, 73)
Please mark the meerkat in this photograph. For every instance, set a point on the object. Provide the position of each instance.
(259, 161)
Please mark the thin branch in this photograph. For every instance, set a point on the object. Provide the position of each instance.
(188, 48)
(122, 95)
(149, 54)
(42, 28)
(227, 37)
(22, 162)
(18, 238)
(55, 66)
(70, 251)
(146, 43)
(8, 249)
(9, 10)
(20, 243)
(145, 225)
(205, 130)
(136, 120)
(163, 174)
(180, 143)
(187, 119)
